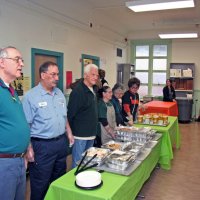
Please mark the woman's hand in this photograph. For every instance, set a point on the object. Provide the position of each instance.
(130, 122)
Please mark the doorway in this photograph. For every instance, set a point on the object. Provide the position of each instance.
(88, 59)
(39, 56)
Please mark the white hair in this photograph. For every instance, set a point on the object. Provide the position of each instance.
(3, 51)
(88, 68)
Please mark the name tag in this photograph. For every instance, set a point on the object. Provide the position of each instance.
(42, 104)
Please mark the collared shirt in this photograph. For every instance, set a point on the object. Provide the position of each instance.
(46, 113)
(14, 129)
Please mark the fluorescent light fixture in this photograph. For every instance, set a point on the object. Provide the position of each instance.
(178, 35)
(151, 5)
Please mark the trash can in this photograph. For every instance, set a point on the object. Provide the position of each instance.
(184, 109)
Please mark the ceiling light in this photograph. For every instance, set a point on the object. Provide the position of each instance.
(178, 35)
(151, 5)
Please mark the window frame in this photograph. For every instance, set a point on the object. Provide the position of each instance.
(150, 70)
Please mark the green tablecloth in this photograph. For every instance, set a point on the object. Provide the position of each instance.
(171, 137)
(115, 187)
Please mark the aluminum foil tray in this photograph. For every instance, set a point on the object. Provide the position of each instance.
(126, 172)
(101, 155)
(119, 160)
(114, 145)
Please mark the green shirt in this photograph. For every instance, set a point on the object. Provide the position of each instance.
(102, 108)
(14, 129)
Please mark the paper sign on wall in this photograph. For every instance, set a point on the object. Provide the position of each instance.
(68, 79)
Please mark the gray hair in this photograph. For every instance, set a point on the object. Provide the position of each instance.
(117, 86)
(4, 52)
(88, 67)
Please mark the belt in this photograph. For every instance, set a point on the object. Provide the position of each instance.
(8, 155)
(47, 139)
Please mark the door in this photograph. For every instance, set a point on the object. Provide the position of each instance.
(88, 59)
(39, 56)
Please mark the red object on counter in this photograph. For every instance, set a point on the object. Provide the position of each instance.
(168, 108)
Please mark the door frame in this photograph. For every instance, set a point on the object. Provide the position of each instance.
(95, 59)
(59, 58)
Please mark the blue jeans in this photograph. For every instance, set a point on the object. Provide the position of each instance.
(12, 179)
(78, 148)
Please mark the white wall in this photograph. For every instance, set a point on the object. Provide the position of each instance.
(26, 29)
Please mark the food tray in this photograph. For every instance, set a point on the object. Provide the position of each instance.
(164, 125)
(157, 136)
(151, 144)
(113, 145)
(130, 169)
(143, 154)
(101, 155)
(119, 160)
(142, 135)
(134, 147)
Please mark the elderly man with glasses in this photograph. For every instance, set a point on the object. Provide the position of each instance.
(46, 113)
(14, 129)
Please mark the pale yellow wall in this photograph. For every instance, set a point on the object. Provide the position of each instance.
(27, 29)
(188, 51)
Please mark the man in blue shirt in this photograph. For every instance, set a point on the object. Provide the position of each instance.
(14, 129)
(46, 112)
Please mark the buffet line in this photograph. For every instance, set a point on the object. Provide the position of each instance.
(124, 154)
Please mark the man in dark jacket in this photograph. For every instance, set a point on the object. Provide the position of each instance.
(82, 113)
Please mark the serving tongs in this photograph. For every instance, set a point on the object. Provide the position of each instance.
(85, 166)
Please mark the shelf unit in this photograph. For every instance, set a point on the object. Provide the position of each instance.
(183, 84)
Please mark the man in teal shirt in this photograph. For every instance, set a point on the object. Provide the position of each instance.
(14, 129)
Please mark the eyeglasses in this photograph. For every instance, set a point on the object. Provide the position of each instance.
(52, 74)
(17, 59)
(134, 87)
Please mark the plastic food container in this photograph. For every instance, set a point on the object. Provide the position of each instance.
(165, 119)
(147, 118)
(155, 119)
(140, 119)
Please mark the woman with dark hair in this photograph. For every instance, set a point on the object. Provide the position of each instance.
(169, 92)
(106, 114)
(130, 101)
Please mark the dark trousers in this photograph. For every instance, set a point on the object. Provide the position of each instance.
(50, 164)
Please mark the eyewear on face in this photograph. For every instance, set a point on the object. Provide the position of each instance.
(52, 74)
(134, 87)
(17, 59)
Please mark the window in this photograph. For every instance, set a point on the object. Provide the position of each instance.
(151, 60)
